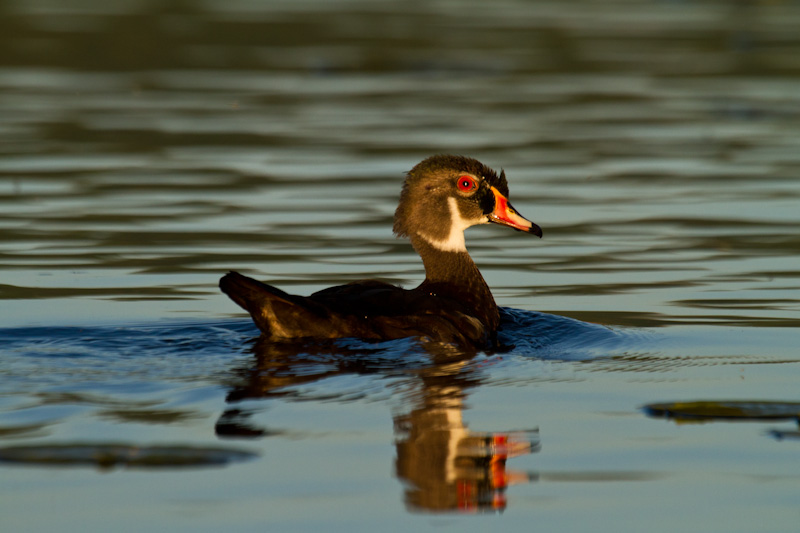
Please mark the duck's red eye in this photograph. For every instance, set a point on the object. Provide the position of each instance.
(466, 183)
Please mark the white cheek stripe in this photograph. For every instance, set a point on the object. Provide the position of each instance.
(455, 240)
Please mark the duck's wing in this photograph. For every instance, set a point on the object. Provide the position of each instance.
(379, 310)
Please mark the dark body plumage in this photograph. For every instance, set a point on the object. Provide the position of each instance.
(442, 196)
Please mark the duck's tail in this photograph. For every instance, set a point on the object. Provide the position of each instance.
(275, 312)
(247, 292)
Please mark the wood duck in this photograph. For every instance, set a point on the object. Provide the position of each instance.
(441, 197)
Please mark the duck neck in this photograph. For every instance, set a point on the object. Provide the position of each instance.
(441, 266)
(454, 274)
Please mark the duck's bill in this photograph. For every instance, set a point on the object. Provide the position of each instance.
(506, 215)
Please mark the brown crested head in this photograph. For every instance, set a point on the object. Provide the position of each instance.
(445, 194)
(423, 200)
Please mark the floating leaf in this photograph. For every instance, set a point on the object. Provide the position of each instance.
(702, 411)
(106, 455)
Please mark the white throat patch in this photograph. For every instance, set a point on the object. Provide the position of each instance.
(455, 240)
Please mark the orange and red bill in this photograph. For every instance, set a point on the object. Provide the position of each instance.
(506, 215)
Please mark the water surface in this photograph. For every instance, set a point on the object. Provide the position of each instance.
(146, 150)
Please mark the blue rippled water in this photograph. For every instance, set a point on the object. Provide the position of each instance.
(147, 148)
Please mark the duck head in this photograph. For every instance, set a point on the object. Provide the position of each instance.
(445, 194)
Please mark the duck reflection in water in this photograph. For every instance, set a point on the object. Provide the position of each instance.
(444, 465)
